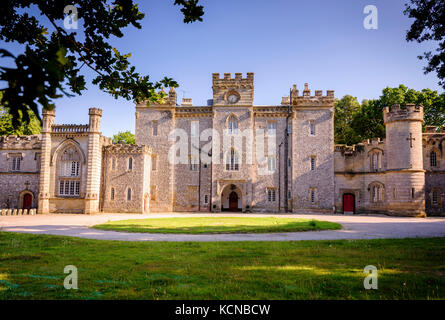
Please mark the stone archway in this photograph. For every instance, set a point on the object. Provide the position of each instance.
(231, 198)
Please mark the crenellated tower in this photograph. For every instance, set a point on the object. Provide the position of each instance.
(94, 157)
(405, 187)
(230, 91)
(45, 171)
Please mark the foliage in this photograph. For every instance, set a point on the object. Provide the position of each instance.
(429, 25)
(7, 129)
(345, 109)
(32, 268)
(53, 56)
(218, 225)
(124, 137)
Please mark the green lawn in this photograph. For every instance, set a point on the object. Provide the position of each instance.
(218, 225)
(31, 267)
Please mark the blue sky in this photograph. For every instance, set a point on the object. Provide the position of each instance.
(283, 42)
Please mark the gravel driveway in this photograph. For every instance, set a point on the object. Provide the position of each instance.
(354, 227)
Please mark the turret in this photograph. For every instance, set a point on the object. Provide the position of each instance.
(405, 188)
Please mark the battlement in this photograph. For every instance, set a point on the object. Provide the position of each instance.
(346, 150)
(95, 112)
(434, 129)
(70, 128)
(187, 102)
(237, 82)
(126, 149)
(410, 112)
(21, 142)
(307, 100)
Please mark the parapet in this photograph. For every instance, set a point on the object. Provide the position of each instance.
(70, 128)
(410, 112)
(306, 100)
(95, 112)
(237, 82)
(127, 149)
(21, 142)
(187, 102)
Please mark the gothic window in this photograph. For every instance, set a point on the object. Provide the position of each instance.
(194, 128)
(312, 127)
(375, 158)
(194, 163)
(233, 125)
(16, 162)
(376, 190)
(271, 128)
(130, 163)
(70, 172)
(435, 198)
(289, 128)
(232, 160)
(433, 159)
(313, 162)
(313, 196)
(271, 194)
(271, 163)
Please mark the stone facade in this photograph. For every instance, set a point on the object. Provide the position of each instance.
(228, 156)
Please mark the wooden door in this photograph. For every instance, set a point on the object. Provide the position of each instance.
(348, 203)
(27, 201)
(233, 201)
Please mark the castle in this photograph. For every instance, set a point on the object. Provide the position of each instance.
(227, 156)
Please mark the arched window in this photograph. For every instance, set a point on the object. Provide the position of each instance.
(232, 160)
(70, 172)
(375, 158)
(128, 194)
(433, 159)
(112, 194)
(130, 164)
(376, 190)
(233, 125)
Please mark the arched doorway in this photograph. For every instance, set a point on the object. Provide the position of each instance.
(231, 198)
(233, 201)
(348, 203)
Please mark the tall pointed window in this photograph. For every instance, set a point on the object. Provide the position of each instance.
(433, 159)
(232, 160)
(233, 125)
(70, 172)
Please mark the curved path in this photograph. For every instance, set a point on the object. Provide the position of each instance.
(354, 227)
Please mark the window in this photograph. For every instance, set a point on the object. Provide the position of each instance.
(69, 187)
(206, 199)
(312, 127)
(113, 163)
(155, 127)
(233, 125)
(289, 128)
(435, 198)
(153, 162)
(271, 163)
(433, 159)
(289, 194)
(16, 162)
(194, 128)
(271, 128)
(289, 162)
(70, 172)
(130, 164)
(271, 194)
(232, 161)
(313, 163)
(128, 194)
(194, 163)
(112, 194)
(312, 196)
(413, 193)
(376, 193)
(153, 193)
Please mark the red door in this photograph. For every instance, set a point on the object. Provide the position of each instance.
(27, 201)
(233, 201)
(348, 203)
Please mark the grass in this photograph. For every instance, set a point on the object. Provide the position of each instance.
(201, 225)
(31, 267)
